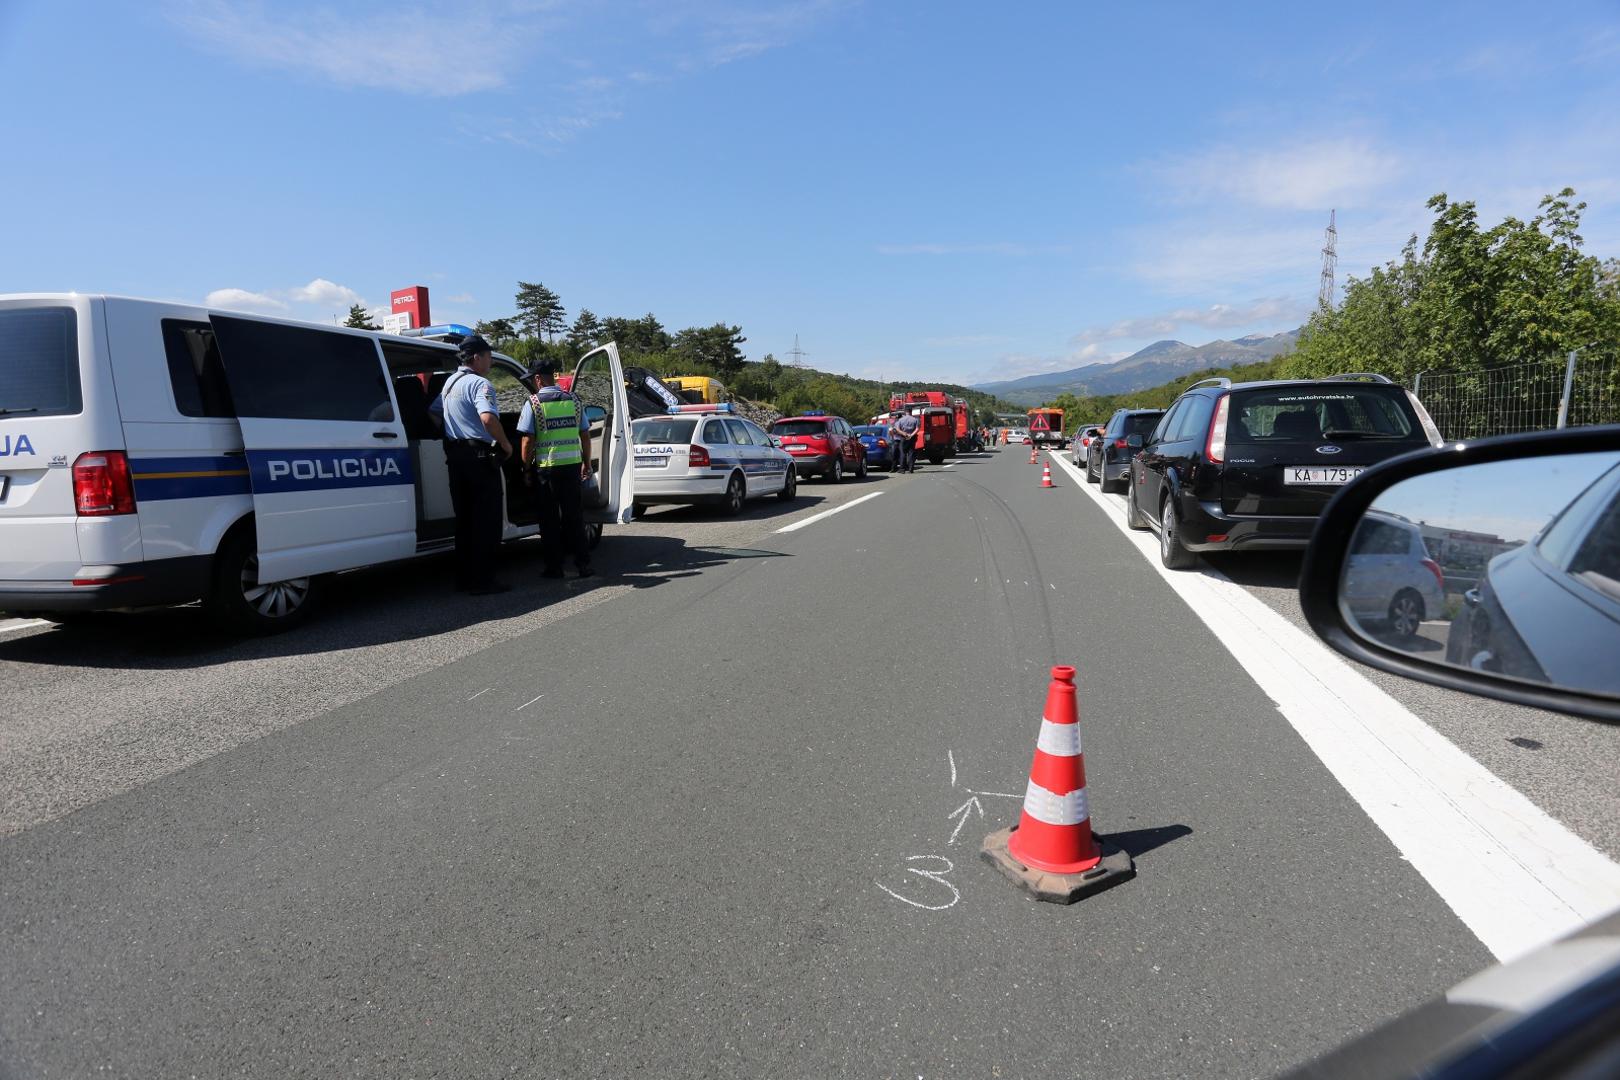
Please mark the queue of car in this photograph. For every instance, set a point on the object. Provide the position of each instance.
(1250, 466)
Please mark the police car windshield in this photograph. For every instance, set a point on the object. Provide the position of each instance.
(673, 429)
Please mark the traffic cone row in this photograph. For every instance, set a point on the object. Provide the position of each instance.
(1052, 852)
(1046, 474)
(1032, 453)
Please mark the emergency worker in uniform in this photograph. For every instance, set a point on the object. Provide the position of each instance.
(556, 451)
(475, 444)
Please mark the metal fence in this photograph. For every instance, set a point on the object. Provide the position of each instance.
(1546, 394)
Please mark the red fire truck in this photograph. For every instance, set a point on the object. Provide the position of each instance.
(936, 439)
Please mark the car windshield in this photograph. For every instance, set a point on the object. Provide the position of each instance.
(799, 427)
(675, 429)
(1313, 414)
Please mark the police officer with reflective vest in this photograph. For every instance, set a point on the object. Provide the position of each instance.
(475, 444)
(556, 451)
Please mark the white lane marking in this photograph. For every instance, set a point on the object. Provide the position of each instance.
(1512, 873)
(813, 518)
(948, 464)
(526, 704)
(10, 627)
(480, 694)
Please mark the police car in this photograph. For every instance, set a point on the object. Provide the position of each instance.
(705, 454)
(155, 454)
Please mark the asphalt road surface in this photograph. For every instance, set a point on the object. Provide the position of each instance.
(714, 813)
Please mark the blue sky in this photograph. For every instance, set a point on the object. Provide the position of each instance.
(927, 189)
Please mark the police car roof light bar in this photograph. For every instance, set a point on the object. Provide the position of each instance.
(452, 332)
(724, 407)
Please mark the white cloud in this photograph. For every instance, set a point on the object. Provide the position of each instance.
(1315, 174)
(1018, 365)
(460, 298)
(1266, 312)
(243, 300)
(320, 298)
(323, 292)
(407, 47)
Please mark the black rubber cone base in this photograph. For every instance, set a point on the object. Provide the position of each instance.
(1116, 867)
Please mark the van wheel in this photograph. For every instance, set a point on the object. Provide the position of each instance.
(1171, 553)
(790, 485)
(732, 504)
(240, 603)
(1406, 613)
(1133, 516)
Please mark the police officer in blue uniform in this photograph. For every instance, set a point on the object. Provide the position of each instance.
(475, 444)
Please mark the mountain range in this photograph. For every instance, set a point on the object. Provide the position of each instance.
(1155, 365)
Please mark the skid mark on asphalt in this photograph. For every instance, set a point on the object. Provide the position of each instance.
(1514, 875)
(1028, 546)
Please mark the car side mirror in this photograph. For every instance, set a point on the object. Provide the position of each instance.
(1518, 597)
(595, 414)
(1134, 442)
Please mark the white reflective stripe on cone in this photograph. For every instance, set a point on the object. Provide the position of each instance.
(1042, 805)
(1059, 740)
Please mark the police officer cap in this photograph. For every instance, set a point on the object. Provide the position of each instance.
(472, 346)
(544, 366)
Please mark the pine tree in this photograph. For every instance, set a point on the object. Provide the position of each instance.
(539, 310)
(587, 329)
(359, 318)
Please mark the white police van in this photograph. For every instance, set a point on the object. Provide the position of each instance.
(155, 454)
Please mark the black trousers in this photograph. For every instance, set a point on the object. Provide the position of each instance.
(907, 455)
(475, 492)
(557, 499)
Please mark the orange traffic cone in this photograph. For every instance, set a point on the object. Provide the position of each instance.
(1052, 851)
(1032, 453)
(1046, 474)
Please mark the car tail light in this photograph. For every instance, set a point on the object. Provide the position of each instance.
(101, 484)
(1120, 444)
(1215, 447)
(1215, 538)
(883, 442)
(699, 458)
(1439, 575)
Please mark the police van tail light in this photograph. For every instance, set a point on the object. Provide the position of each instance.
(699, 458)
(102, 485)
(1215, 448)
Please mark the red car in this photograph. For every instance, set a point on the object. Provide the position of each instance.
(821, 445)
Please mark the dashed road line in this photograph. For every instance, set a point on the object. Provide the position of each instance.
(813, 518)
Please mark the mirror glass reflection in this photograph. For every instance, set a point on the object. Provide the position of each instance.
(1509, 567)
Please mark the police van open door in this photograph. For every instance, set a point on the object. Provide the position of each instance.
(599, 385)
(327, 456)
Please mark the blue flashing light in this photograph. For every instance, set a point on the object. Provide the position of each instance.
(441, 332)
(723, 407)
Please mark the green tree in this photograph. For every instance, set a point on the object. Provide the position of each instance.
(497, 332)
(642, 336)
(716, 346)
(586, 331)
(359, 319)
(539, 311)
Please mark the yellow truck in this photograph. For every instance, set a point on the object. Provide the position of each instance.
(698, 389)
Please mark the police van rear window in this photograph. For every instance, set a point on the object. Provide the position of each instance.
(654, 430)
(39, 362)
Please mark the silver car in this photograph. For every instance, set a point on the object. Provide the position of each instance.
(1390, 578)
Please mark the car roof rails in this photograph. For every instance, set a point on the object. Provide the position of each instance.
(1352, 376)
(1216, 381)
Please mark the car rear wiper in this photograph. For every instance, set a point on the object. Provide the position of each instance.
(11, 412)
(1353, 433)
